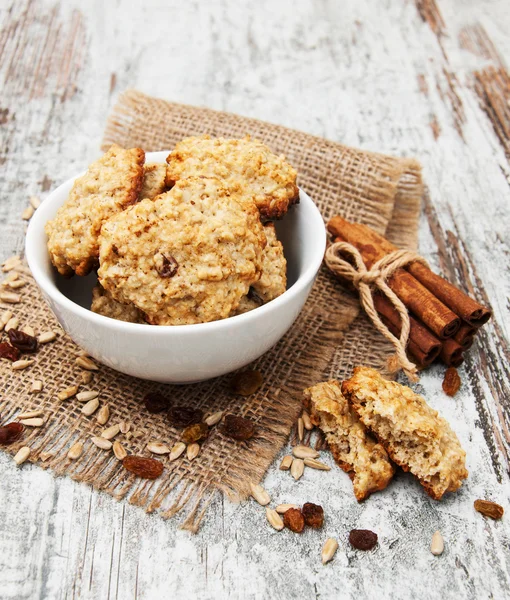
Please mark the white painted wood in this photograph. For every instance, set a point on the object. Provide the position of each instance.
(345, 70)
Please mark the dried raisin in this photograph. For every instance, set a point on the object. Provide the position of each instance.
(9, 352)
(168, 268)
(363, 539)
(182, 416)
(451, 381)
(294, 520)
(11, 433)
(247, 382)
(489, 509)
(238, 428)
(148, 468)
(22, 341)
(156, 402)
(195, 433)
(313, 515)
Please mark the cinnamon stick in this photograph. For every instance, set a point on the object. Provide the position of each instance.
(465, 335)
(417, 298)
(419, 357)
(451, 353)
(422, 343)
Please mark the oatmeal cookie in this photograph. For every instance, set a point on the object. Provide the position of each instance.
(110, 185)
(153, 180)
(414, 435)
(188, 256)
(268, 177)
(104, 304)
(353, 448)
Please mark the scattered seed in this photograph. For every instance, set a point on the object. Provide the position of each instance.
(28, 330)
(110, 432)
(68, 392)
(137, 434)
(489, 509)
(214, 419)
(297, 468)
(44, 456)
(286, 463)
(124, 426)
(158, 448)
(304, 452)
(101, 442)
(86, 377)
(177, 450)
(301, 429)
(36, 387)
(90, 408)
(22, 269)
(10, 297)
(35, 202)
(86, 395)
(75, 451)
(316, 464)
(119, 450)
(328, 550)
(33, 422)
(22, 364)
(192, 451)
(47, 336)
(21, 455)
(259, 494)
(28, 213)
(30, 414)
(17, 284)
(103, 415)
(307, 422)
(274, 519)
(283, 508)
(5, 318)
(86, 363)
(10, 277)
(11, 263)
(437, 544)
(12, 323)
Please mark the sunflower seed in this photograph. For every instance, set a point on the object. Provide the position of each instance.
(214, 419)
(75, 451)
(86, 377)
(119, 450)
(5, 318)
(301, 429)
(260, 494)
(28, 213)
(103, 415)
(12, 276)
(30, 414)
(29, 330)
(304, 452)
(307, 422)
(86, 363)
(124, 426)
(137, 434)
(10, 297)
(21, 455)
(159, 448)
(90, 408)
(68, 392)
(18, 284)
(47, 336)
(32, 422)
(36, 387)
(316, 464)
(110, 432)
(286, 463)
(86, 395)
(437, 544)
(283, 508)
(101, 442)
(328, 550)
(297, 468)
(21, 364)
(12, 324)
(10, 263)
(177, 450)
(274, 519)
(129, 435)
(35, 202)
(192, 451)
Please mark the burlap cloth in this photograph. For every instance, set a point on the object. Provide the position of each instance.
(327, 340)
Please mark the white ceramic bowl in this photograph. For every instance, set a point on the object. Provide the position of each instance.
(182, 353)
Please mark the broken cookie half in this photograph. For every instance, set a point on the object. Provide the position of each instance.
(352, 446)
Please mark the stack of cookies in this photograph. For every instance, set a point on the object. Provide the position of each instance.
(189, 241)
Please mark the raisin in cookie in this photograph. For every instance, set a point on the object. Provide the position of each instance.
(104, 304)
(110, 185)
(267, 176)
(188, 256)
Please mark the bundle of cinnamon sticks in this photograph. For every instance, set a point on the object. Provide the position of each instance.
(443, 319)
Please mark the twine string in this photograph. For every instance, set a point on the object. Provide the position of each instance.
(365, 281)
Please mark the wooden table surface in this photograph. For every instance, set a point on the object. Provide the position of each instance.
(417, 78)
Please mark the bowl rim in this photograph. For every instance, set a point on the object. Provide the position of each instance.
(49, 287)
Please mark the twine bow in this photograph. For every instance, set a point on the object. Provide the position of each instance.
(364, 280)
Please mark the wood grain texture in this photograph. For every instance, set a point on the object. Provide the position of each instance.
(398, 77)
